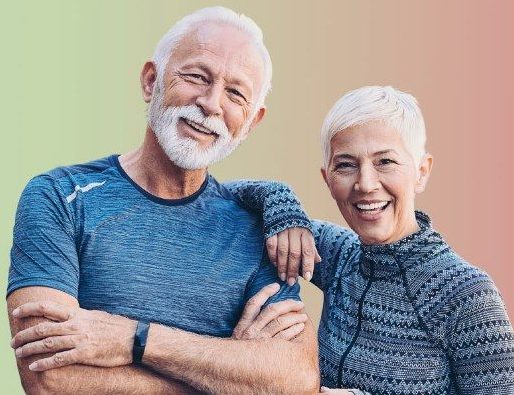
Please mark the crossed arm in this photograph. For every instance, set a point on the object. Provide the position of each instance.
(268, 363)
(81, 379)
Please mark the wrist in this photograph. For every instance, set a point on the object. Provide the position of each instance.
(140, 340)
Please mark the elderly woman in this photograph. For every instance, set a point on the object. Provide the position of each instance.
(402, 313)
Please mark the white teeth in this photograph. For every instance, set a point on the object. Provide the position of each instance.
(372, 206)
(198, 126)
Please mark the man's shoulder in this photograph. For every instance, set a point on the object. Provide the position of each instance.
(69, 179)
(226, 197)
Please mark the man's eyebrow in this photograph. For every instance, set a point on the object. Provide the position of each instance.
(386, 151)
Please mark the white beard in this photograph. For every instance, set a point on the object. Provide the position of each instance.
(186, 152)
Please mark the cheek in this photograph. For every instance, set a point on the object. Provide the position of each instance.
(181, 93)
(341, 188)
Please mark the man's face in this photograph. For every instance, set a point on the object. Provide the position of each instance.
(204, 105)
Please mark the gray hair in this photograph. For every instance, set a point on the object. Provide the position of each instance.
(397, 109)
(219, 15)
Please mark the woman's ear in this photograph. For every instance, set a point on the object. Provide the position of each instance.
(424, 169)
(325, 178)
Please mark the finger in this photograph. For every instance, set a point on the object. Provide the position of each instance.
(58, 360)
(271, 246)
(282, 254)
(273, 311)
(291, 332)
(47, 309)
(317, 259)
(253, 307)
(294, 256)
(42, 330)
(49, 344)
(308, 255)
(282, 323)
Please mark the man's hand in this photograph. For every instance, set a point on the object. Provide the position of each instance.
(77, 336)
(289, 248)
(282, 320)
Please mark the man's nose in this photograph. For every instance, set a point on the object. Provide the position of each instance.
(210, 100)
(368, 180)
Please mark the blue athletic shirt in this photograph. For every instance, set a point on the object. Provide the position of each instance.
(190, 263)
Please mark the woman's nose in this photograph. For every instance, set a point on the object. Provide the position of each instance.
(368, 180)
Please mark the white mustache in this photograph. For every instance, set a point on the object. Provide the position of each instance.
(193, 113)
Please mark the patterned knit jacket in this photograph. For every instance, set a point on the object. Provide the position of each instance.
(410, 317)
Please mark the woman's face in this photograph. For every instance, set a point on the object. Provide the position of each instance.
(374, 180)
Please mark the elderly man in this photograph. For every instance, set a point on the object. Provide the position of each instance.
(150, 236)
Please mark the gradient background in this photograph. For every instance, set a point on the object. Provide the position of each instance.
(70, 83)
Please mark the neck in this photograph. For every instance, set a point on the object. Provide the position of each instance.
(150, 168)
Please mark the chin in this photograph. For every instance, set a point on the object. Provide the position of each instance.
(374, 237)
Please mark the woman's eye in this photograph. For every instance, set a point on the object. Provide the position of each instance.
(345, 166)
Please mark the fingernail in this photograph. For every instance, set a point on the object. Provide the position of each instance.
(307, 276)
(291, 281)
(16, 312)
(12, 342)
(33, 366)
(283, 276)
(18, 352)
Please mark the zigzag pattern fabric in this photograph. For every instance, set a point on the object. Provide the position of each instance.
(410, 317)
(277, 203)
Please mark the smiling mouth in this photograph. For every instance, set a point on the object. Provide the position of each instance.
(199, 128)
(371, 208)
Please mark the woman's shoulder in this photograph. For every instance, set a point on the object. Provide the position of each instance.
(447, 287)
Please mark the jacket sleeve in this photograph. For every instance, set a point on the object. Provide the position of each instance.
(481, 340)
(280, 207)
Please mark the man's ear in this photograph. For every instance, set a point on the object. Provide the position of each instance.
(257, 118)
(424, 169)
(148, 78)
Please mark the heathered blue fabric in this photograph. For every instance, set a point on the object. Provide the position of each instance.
(191, 263)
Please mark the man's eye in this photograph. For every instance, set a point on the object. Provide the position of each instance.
(386, 161)
(197, 77)
(236, 93)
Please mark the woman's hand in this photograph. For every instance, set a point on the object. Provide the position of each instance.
(290, 248)
(76, 336)
(283, 320)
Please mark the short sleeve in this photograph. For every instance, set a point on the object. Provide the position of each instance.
(267, 274)
(44, 251)
(336, 245)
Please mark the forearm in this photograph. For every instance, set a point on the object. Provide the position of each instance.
(280, 207)
(82, 379)
(224, 366)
